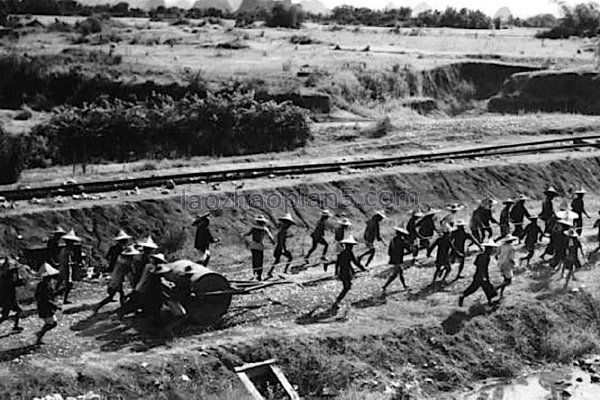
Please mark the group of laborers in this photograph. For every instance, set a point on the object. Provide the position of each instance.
(451, 240)
(144, 268)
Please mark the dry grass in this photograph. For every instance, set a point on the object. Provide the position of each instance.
(433, 47)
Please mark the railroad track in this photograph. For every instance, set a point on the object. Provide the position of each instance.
(531, 147)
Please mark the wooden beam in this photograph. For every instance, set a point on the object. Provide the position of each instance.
(246, 367)
(285, 383)
(250, 386)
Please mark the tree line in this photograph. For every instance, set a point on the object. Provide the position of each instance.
(279, 14)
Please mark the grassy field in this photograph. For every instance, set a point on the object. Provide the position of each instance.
(161, 46)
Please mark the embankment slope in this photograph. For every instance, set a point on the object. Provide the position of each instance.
(169, 218)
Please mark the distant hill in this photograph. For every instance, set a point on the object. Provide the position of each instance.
(421, 7)
(235, 4)
(503, 14)
(314, 7)
(150, 4)
(253, 5)
(183, 4)
(216, 4)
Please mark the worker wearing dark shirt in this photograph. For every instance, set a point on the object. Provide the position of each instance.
(578, 208)
(204, 238)
(505, 219)
(426, 229)
(518, 214)
(372, 233)
(533, 235)
(318, 235)
(486, 219)
(547, 215)
(459, 238)
(413, 234)
(558, 241)
(9, 282)
(281, 248)
(442, 261)
(257, 235)
(572, 262)
(343, 267)
(45, 300)
(481, 279)
(53, 246)
(399, 247)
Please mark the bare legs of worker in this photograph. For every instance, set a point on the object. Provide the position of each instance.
(398, 273)
(347, 285)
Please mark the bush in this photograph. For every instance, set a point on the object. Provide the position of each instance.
(10, 157)
(381, 129)
(89, 26)
(226, 124)
(285, 16)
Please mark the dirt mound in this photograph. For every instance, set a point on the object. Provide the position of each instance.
(549, 91)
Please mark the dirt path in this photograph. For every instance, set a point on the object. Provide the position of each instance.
(290, 309)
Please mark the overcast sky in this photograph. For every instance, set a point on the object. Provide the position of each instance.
(520, 8)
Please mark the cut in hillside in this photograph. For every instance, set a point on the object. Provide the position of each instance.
(549, 91)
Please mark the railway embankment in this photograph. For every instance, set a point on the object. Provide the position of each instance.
(354, 195)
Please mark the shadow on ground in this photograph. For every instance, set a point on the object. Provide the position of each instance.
(456, 321)
(13, 354)
(320, 315)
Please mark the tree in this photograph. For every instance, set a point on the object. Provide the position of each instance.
(583, 20)
(285, 16)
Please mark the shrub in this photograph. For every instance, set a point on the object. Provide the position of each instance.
(285, 16)
(224, 124)
(381, 129)
(10, 157)
(89, 25)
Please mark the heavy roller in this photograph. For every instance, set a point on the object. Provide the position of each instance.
(210, 293)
